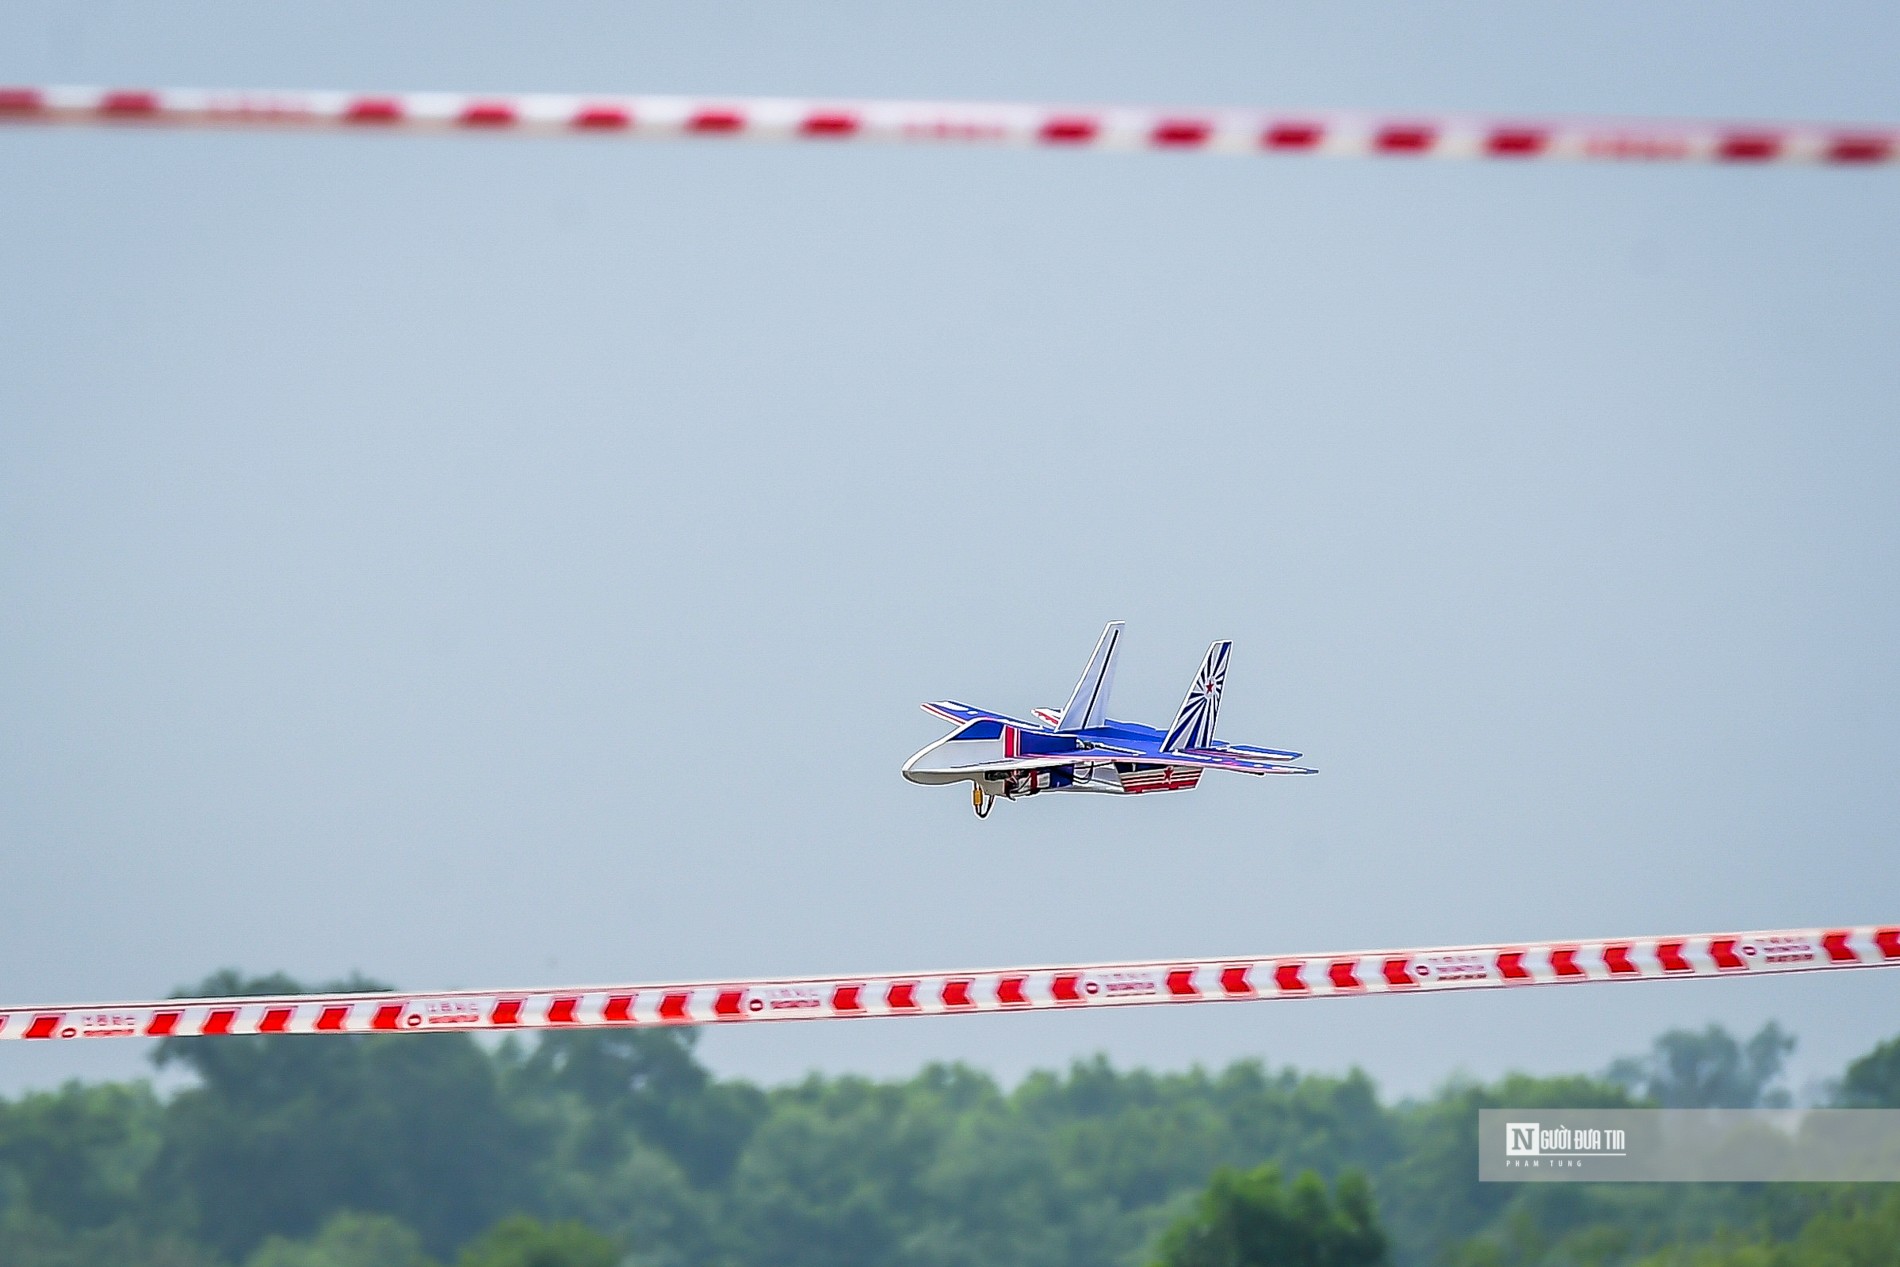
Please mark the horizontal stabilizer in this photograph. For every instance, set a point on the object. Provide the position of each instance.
(1252, 753)
(1217, 759)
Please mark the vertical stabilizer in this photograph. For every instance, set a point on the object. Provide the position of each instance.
(1194, 724)
(1088, 704)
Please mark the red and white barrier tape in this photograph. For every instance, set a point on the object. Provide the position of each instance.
(1103, 127)
(1002, 990)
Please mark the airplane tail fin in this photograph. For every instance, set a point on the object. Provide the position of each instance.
(1194, 724)
(1088, 703)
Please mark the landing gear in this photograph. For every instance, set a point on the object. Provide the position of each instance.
(981, 801)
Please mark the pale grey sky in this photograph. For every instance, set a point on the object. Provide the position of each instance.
(485, 562)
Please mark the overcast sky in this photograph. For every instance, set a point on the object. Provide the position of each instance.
(483, 562)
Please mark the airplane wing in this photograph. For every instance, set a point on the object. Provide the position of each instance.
(951, 711)
(1089, 756)
(1102, 755)
(1216, 759)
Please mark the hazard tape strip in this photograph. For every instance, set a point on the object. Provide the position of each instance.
(1440, 970)
(1338, 133)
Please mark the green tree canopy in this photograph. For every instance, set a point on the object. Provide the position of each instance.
(41, 1243)
(526, 1242)
(1853, 1229)
(647, 1082)
(1873, 1081)
(1252, 1218)
(304, 1126)
(347, 1240)
(372, 1150)
(1708, 1069)
(76, 1156)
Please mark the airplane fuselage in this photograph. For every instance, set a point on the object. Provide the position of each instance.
(1108, 758)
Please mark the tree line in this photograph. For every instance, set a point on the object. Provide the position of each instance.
(621, 1149)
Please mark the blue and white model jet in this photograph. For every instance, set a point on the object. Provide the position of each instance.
(1078, 748)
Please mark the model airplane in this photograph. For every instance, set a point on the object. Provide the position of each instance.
(1079, 749)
